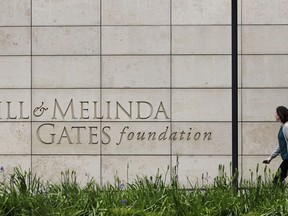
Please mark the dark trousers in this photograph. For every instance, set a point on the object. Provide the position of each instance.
(281, 173)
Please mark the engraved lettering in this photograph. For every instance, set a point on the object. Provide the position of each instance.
(162, 136)
(9, 111)
(39, 109)
(161, 109)
(52, 135)
(139, 109)
(57, 107)
(91, 135)
(118, 105)
(122, 133)
(64, 134)
(95, 111)
(207, 134)
(78, 133)
(105, 134)
(21, 111)
(82, 104)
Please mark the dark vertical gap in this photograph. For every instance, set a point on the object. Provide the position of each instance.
(31, 85)
(101, 101)
(234, 91)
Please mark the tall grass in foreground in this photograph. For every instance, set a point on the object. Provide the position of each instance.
(26, 194)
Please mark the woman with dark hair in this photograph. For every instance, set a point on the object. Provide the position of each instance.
(282, 149)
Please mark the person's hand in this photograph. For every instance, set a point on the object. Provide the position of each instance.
(266, 161)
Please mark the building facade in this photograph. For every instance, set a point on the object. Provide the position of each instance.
(134, 87)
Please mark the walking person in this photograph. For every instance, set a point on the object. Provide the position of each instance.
(282, 148)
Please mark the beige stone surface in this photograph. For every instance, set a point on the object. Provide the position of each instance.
(201, 40)
(15, 41)
(128, 88)
(264, 71)
(261, 104)
(66, 72)
(136, 12)
(66, 104)
(239, 11)
(265, 12)
(15, 72)
(199, 170)
(240, 36)
(201, 12)
(202, 138)
(49, 167)
(136, 138)
(15, 13)
(260, 138)
(266, 39)
(66, 40)
(72, 12)
(15, 138)
(135, 71)
(127, 168)
(201, 105)
(201, 71)
(135, 40)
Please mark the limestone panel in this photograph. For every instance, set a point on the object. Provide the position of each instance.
(9, 162)
(72, 12)
(201, 138)
(139, 105)
(260, 138)
(240, 72)
(264, 71)
(201, 12)
(15, 13)
(15, 105)
(66, 105)
(201, 40)
(201, 105)
(66, 72)
(51, 167)
(201, 71)
(15, 41)
(66, 138)
(265, 12)
(15, 138)
(199, 170)
(136, 138)
(136, 40)
(261, 104)
(127, 168)
(239, 35)
(239, 12)
(136, 71)
(269, 39)
(250, 170)
(66, 40)
(15, 72)
(136, 12)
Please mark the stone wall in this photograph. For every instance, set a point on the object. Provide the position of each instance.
(134, 87)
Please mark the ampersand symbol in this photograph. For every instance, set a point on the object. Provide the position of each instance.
(38, 111)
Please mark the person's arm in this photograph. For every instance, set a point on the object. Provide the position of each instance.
(273, 155)
(285, 132)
